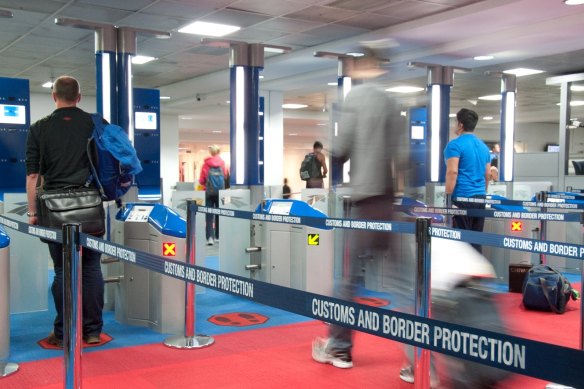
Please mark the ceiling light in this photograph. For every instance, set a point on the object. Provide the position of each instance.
(483, 57)
(577, 88)
(216, 131)
(185, 117)
(321, 124)
(573, 2)
(260, 77)
(575, 103)
(355, 54)
(210, 29)
(227, 102)
(490, 97)
(452, 115)
(294, 106)
(333, 84)
(487, 118)
(164, 97)
(277, 50)
(405, 89)
(48, 84)
(141, 59)
(520, 72)
(293, 134)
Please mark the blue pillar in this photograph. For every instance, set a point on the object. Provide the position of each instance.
(508, 94)
(245, 124)
(106, 70)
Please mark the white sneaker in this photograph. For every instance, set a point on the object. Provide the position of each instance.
(407, 375)
(210, 242)
(341, 358)
(216, 240)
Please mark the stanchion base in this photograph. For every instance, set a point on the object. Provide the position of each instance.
(551, 385)
(7, 368)
(184, 342)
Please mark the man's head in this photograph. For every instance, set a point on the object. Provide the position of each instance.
(317, 146)
(214, 150)
(466, 120)
(66, 91)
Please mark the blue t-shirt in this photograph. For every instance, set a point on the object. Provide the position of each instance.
(473, 155)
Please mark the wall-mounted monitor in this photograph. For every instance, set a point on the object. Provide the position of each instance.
(12, 114)
(551, 148)
(417, 132)
(145, 121)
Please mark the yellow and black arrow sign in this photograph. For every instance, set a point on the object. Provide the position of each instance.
(313, 239)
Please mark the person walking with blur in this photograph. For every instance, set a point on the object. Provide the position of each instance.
(319, 169)
(213, 177)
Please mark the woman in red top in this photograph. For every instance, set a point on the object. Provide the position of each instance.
(213, 177)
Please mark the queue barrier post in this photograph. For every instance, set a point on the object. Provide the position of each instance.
(6, 368)
(189, 340)
(72, 305)
(448, 204)
(422, 298)
(542, 197)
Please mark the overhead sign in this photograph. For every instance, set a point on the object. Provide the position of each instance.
(313, 239)
(169, 249)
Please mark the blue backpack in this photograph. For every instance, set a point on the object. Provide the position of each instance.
(113, 159)
(215, 180)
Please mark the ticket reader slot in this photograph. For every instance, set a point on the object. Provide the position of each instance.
(147, 298)
(292, 255)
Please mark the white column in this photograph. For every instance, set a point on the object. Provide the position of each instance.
(169, 161)
(273, 138)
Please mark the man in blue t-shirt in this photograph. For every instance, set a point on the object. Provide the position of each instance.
(468, 166)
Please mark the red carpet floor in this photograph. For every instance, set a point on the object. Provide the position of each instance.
(277, 357)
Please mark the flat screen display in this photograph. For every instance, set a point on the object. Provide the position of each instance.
(12, 114)
(145, 121)
(281, 208)
(418, 132)
(553, 148)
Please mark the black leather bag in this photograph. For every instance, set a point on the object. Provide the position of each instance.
(72, 205)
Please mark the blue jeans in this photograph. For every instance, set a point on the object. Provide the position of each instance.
(92, 284)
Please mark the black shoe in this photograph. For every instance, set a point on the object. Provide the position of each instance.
(92, 339)
(54, 341)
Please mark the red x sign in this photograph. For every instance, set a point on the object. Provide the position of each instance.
(169, 249)
(516, 226)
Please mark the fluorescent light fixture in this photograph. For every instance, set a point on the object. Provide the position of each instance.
(277, 50)
(573, 88)
(405, 89)
(210, 29)
(347, 85)
(293, 134)
(509, 135)
(336, 129)
(487, 118)
(435, 131)
(321, 124)
(483, 57)
(186, 117)
(106, 86)
(294, 106)
(452, 115)
(333, 83)
(575, 103)
(141, 59)
(239, 123)
(260, 77)
(130, 104)
(356, 54)
(403, 113)
(164, 97)
(48, 84)
(573, 2)
(216, 131)
(227, 102)
(520, 72)
(491, 98)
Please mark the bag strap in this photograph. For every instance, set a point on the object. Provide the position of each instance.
(546, 293)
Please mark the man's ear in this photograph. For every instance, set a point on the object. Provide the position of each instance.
(54, 96)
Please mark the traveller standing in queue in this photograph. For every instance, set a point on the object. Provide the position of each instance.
(213, 177)
(369, 134)
(56, 151)
(317, 169)
(468, 170)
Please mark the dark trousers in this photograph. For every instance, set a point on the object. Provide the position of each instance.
(212, 201)
(92, 284)
(470, 222)
(361, 245)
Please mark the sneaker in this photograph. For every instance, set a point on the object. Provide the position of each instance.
(338, 358)
(216, 240)
(54, 341)
(406, 374)
(210, 242)
(92, 339)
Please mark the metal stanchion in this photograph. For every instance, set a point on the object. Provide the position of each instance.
(448, 204)
(542, 197)
(72, 305)
(422, 301)
(190, 340)
(6, 368)
(346, 249)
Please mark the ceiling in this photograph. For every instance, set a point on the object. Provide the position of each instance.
(541, 34)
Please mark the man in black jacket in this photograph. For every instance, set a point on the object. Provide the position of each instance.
(56, 150)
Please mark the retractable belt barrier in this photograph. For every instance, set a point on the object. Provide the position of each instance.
(515, 354)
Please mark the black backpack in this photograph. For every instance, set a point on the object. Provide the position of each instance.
(215, 180)
(309, 168)
(545, 289)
